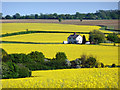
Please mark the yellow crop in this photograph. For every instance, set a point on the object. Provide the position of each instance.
(41, 37)
(105, 54)
(69, 78)
(17, 27)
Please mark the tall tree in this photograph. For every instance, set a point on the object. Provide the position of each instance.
(113, 37)
(8, 17)
(84, 39)
(96, 36)
(36, 16)
(16, 16)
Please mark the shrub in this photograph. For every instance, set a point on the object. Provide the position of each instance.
(113, 65)
(83, 59)
(91, 61)
(102, 65)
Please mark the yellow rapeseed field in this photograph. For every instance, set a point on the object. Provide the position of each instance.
(17, 27)
(41, 37)
(69, 78)
(106, 54)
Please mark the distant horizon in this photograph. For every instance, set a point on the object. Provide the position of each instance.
(28, 8)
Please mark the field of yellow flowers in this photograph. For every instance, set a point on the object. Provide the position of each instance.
(41, 37)
(106, 54)
(64, 78)
(69, 78)
(8, 27)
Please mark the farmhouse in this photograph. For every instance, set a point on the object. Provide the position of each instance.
(75, 39)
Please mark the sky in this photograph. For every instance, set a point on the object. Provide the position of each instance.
(27, 8)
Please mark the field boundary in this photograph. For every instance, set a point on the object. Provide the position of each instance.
(29, 32)
(29, 42)
(103, 27)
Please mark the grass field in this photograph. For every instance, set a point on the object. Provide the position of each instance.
(18, 27)
(69, 78)
(105, 54)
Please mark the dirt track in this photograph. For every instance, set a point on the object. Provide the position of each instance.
(74, 22)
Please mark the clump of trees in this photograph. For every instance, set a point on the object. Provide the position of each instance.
(11, 68)
(86, 62)
(113, 37)
(96, 37)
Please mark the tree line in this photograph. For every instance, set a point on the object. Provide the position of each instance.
(100, 14)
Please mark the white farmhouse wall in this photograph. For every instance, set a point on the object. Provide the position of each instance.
(79, 39)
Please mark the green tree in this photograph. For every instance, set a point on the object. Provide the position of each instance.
(61, 58)
(83, 59)
(113, 37)
(9, 70)
(37, 56)
(16, 16)
(23, 71)
(36, 16)
(59, 19)
(8, 17)
(96, 36)
(61, 55)
(84, 39)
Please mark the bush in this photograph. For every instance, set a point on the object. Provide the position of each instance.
(91, 62)
(83, 60)
(99, 65)
(102, 65)
(113, 65)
